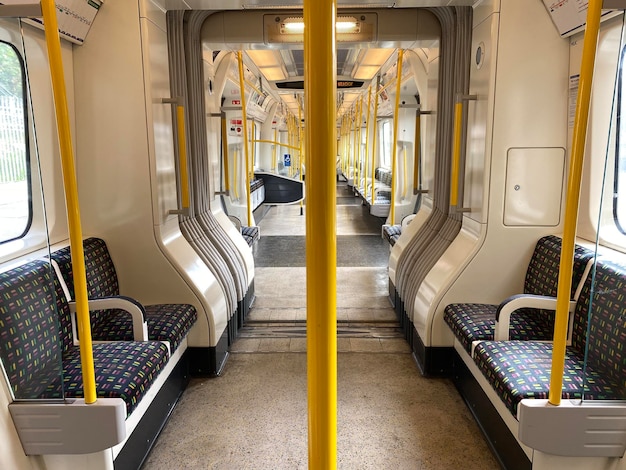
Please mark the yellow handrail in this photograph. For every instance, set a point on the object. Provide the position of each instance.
(394, 152)
(321, 247)
(367, 139)
(275, 149)
(242, 87)
(405, 171)
(225, 155)
(418, 144)
(581, 119)
(456, 153)
(236, 173)
(374, 148)
(182, 156)
(53, 45)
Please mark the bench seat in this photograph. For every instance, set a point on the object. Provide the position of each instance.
(521, 369)
(34, 351)
(518, 370)
(391, 233)
(165, 322)
(472, 322)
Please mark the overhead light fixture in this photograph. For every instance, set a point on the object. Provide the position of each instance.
(290, 29)
(370, 62)
(269, 63)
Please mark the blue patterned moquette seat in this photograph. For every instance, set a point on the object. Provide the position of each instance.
(475, 322)
(39, 357)
(521, 369)
(166, 322)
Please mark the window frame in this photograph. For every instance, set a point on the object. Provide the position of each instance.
(29, 183)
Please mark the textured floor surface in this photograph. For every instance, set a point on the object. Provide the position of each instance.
(255, 415)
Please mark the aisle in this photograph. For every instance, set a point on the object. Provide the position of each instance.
(255, 416)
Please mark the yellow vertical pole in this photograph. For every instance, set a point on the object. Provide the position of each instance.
(573, 196)
(456, 153)
(182, 155)
(57, 76)
(367, 140)
(405, 171)
(418, 145)
(359, 165)
(242, 87)
(321, 247)
(275, 148)
(225, 155)
(394, 152)
(235, 173)
(374, 144)
(354, 142)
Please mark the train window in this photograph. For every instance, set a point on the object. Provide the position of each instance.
(619, 184)
(385, 142)
(15, 190)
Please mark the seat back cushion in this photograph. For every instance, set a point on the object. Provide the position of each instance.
(29, 341)
(601, 314)
(100, 271)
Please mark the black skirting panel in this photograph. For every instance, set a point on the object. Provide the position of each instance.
(432, 361)
(502, 442)
(209, 361)
(144, 436)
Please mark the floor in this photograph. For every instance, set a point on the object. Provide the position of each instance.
(254, 416)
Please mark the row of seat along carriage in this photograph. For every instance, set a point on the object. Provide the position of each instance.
(138, 348)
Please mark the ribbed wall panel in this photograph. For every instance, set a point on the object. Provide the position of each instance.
(431, 241)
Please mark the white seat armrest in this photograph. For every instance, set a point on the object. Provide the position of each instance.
(506, 308)
(140, 327)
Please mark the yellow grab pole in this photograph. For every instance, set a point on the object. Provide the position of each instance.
(360, 130)
(235, 173)
(394, 152)
(53, 44)
(456, 153)
(225, 155)
(321, 245)
(374, 143)
(405, 171)
(573, 196)
(182, 156)
(275, 148)
(367, 139)
(354, 147)
(418, 144)
(242, 86)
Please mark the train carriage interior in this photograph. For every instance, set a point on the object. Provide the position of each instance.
(168, 194)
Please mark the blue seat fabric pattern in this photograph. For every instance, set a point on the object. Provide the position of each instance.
(166, 322)
(476, 321)
(37, 350)
(518, 370)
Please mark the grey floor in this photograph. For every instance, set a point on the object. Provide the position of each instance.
(255, 415)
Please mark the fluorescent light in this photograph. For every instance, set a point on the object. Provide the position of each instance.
(347, 24)
(292, 26)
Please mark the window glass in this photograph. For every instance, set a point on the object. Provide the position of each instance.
(15, 194)
(385, 141)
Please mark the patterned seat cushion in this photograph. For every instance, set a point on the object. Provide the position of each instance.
(166, 322)
(123, 370)
(30, 347)
(521, 369)
(250, 234)
(392, 233)
(476, 322)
